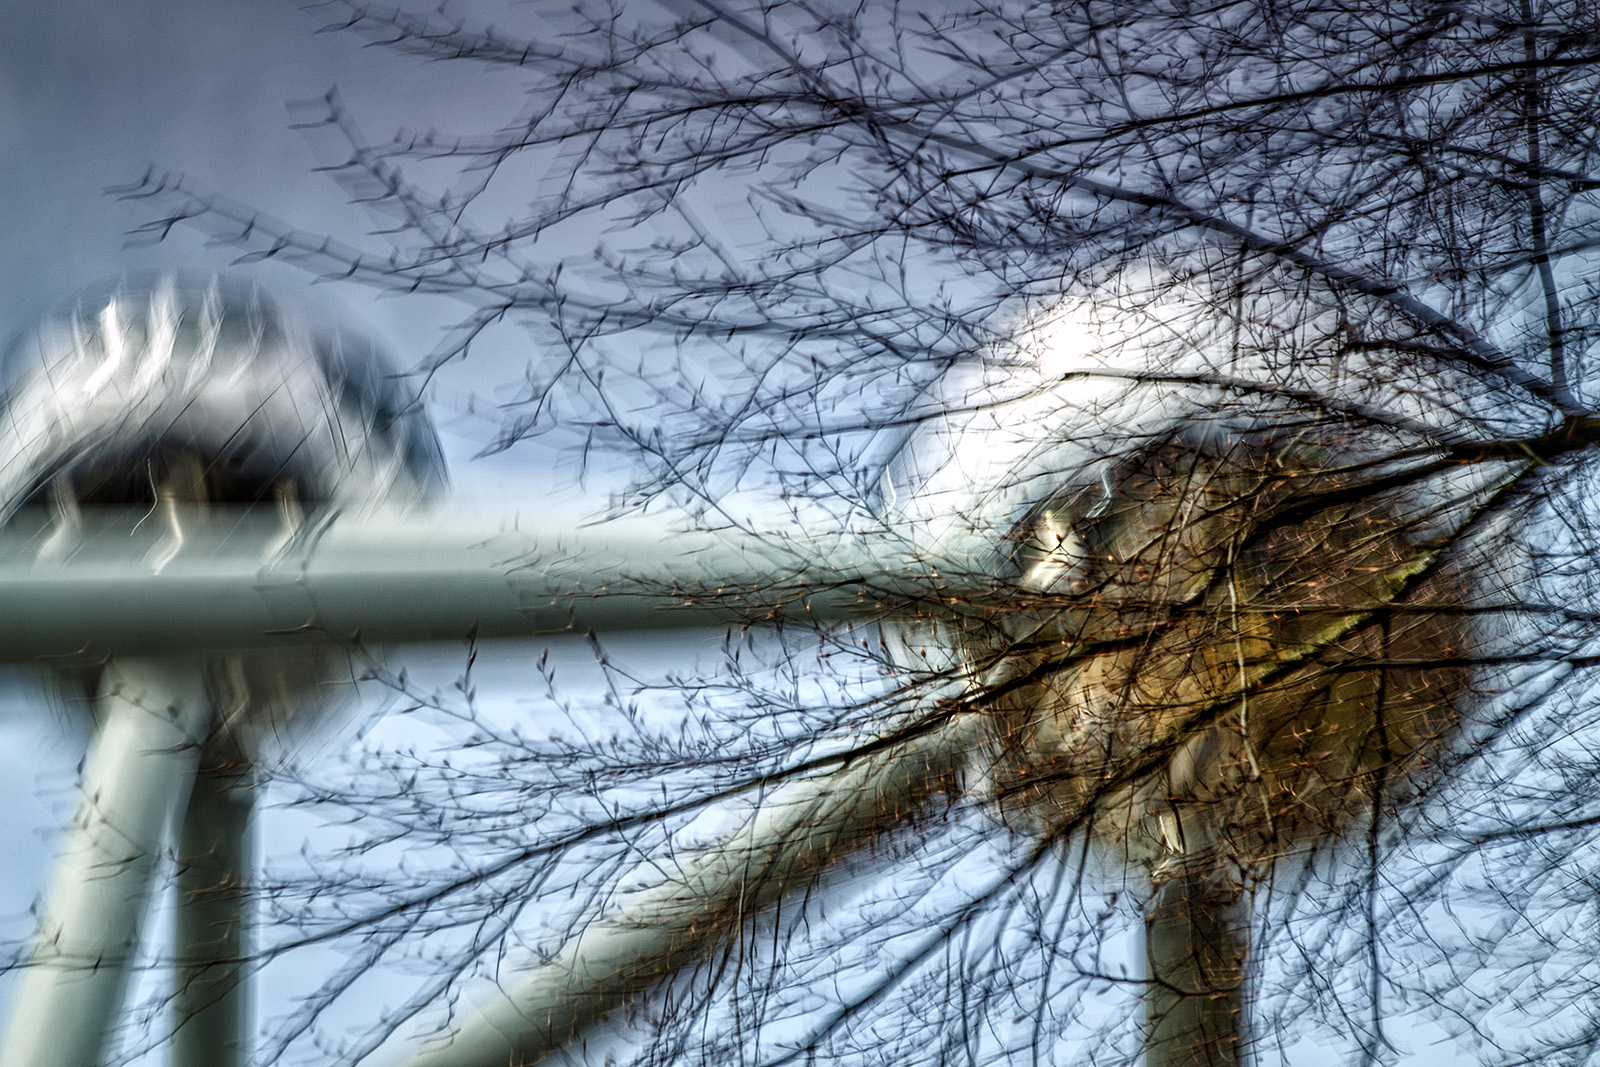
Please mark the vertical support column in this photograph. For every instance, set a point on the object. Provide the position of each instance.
(212, 1005)
(1195, 944)
(153, 718)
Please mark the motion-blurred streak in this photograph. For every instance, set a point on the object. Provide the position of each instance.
(239, 582)
(792, 836)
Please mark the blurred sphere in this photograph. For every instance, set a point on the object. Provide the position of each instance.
(1221, 650)
(196, 395)
(1210, 639)
(121, 386)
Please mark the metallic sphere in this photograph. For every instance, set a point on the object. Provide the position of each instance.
(1225, 648)
(1215, 635)
(129, 388)
(183, 398)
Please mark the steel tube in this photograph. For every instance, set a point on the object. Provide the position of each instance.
(125, 587)
(211, 1004)
(792, 836)
(153, 719)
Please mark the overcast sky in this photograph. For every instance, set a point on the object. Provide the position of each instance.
(94, 92)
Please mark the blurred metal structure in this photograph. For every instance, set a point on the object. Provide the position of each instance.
(159, 617)
(175, 399)
(208, 506)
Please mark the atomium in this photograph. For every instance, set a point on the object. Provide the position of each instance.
(173, 393)
(176, 405)
(1203, 633)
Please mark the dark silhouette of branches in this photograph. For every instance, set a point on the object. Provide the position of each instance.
(1227, 367)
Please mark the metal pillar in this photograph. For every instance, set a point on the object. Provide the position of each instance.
(154, 717)
(151, 599)
(212, 1004)
(791, 837)
(1195, 944)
